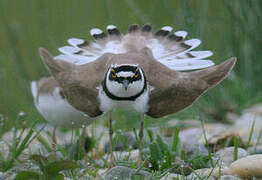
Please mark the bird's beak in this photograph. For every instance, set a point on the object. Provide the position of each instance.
(125, 83)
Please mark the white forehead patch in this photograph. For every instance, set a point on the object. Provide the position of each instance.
(125, 74)
(118, 65)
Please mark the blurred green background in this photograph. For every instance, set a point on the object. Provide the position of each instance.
(228, 28)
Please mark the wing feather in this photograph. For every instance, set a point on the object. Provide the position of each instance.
(166, 46)
(185, 88)
(76, 42)
(188, 64)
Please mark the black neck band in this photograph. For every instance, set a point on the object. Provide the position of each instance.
(131, 98)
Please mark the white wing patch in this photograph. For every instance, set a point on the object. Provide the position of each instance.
(170, 49)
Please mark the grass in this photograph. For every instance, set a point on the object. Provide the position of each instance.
(160, 158)
(19, 143)
(175, 141)
(236, 142)
(251, 132)
(258, 139)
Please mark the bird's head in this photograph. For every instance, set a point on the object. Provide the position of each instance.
(125, 80)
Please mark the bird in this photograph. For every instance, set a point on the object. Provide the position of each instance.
(52, 105)
(154, 73)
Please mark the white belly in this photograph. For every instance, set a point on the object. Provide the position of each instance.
(107, 104)
(60, 113)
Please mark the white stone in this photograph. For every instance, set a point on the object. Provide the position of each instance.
(250, 166)
(226, 155)
(172, 176)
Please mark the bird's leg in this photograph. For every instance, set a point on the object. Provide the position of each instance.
(141, 133)
(112, 158)
(54, 139)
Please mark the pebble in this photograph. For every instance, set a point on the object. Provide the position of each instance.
(100, 162)
(196, 135)
(226, 155)
(124, 155)
(213, 129)
(203, 173)
(2, 176)
(125, 173)
(169, 128)
(181, 167)
(250, 166)
(243, 126)
(190, 136)
(231, 117)
(172, 176)
(128, 138)
(101, 172)
(27, 165)
(4, 149)
(256, 109)
(192, 150)
(226, 138)
(255, 150)
(229, 177)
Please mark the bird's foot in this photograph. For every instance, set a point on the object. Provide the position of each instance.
(112, 161)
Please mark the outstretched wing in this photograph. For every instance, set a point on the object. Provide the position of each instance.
(168, 47)
(185, 88)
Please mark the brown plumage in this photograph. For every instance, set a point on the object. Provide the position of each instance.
(177, 89)
(84, 69)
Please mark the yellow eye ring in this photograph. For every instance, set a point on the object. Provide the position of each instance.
(113, 73)
(136, 73)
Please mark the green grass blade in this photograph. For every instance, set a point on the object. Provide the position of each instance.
(251, 132)
(175, 140)
(150, 135)
(236, 143)
(26, 175)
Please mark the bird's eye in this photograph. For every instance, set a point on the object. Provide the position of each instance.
(113, 73)
(137, 73)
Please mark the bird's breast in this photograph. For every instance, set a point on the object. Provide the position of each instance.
(140, 104)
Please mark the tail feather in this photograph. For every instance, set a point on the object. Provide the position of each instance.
(146, 28)
(97, 33)
(133, 28)
(76, 42)
(164, 31)
(165, 45)
(113, 31)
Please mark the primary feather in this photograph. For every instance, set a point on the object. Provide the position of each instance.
(169, 48)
